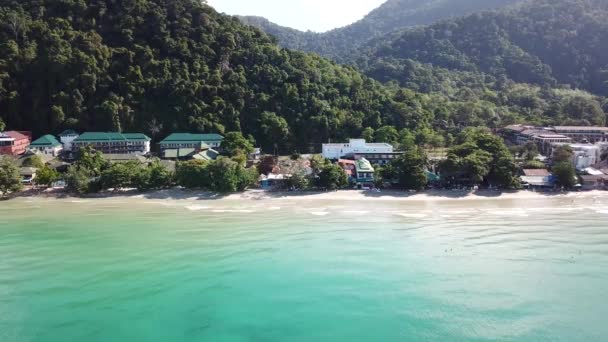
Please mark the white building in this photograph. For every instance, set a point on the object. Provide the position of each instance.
(585, 155)
(47, 144)
(67, 137)
(354, 146)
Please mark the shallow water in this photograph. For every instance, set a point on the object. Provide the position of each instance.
(296, 270)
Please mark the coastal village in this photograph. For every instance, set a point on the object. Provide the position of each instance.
(360, 161)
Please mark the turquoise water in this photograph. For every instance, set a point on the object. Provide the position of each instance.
(151, 270)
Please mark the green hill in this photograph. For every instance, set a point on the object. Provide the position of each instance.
(544, 42)
(393, 15)
(161, 66)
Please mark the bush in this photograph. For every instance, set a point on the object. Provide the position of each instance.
(79, 180)
(332, 177)
(46, 176)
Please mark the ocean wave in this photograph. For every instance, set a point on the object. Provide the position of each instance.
(196, 207)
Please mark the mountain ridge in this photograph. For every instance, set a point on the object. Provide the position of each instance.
(390, 16)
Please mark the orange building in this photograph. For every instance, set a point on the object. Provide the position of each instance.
(14, 143)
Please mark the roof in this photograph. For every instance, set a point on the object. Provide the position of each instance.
(185, 138)
(136, 137)
(593, 178)
(111, 136)
(366, 145)
(28, 171)
(46, 141)
(274, 176)
(517, 128)
(432, 177)
(364, 165)
(536, 173)
(593, 171)
(68, 132)
(581, 128)
(206, 155)
(16, 135)
(551, 136)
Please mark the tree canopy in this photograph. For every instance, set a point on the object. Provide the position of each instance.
(10, 177)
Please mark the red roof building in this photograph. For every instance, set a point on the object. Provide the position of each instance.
(13, 143)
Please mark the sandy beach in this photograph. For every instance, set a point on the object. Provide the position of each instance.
(341, 195)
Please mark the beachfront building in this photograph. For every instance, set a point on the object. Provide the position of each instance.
(28, 174)
(364, 173)
(67, 137)
(590, 134)
(47, 144)
(537, 178)
(197, 142)
(274, 181)
(594, 182)
(353, 147)
(14, 143)
(348, 166)
(114, 143)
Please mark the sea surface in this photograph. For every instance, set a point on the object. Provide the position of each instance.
(300, 270)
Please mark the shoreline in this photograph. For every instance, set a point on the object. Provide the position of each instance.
(340, 195)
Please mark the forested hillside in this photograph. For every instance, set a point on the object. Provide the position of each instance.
(544, 42)
(159, 66)
(393, 15)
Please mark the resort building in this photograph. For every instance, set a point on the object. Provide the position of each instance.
(540, 178)
(198, 142)
(543, 137)
(14, 143)
(114, 143)
(353, 147)
(591, 134)
(585, 155)
(67, 137)
(47, 144)
(546, 140)
(378, 158)
(364, 173)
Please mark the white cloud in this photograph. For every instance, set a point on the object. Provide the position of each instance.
(315, 15)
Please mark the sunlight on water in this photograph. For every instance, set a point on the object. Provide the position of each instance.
(137, 270)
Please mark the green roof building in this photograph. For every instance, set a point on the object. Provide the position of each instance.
(114, 143)
(47, 144)
(198, 142)
(364, 171)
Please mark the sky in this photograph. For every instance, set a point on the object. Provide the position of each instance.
(314, 15)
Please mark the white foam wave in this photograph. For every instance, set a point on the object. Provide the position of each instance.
(232, 211)
(412, 215)
(196, 207)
